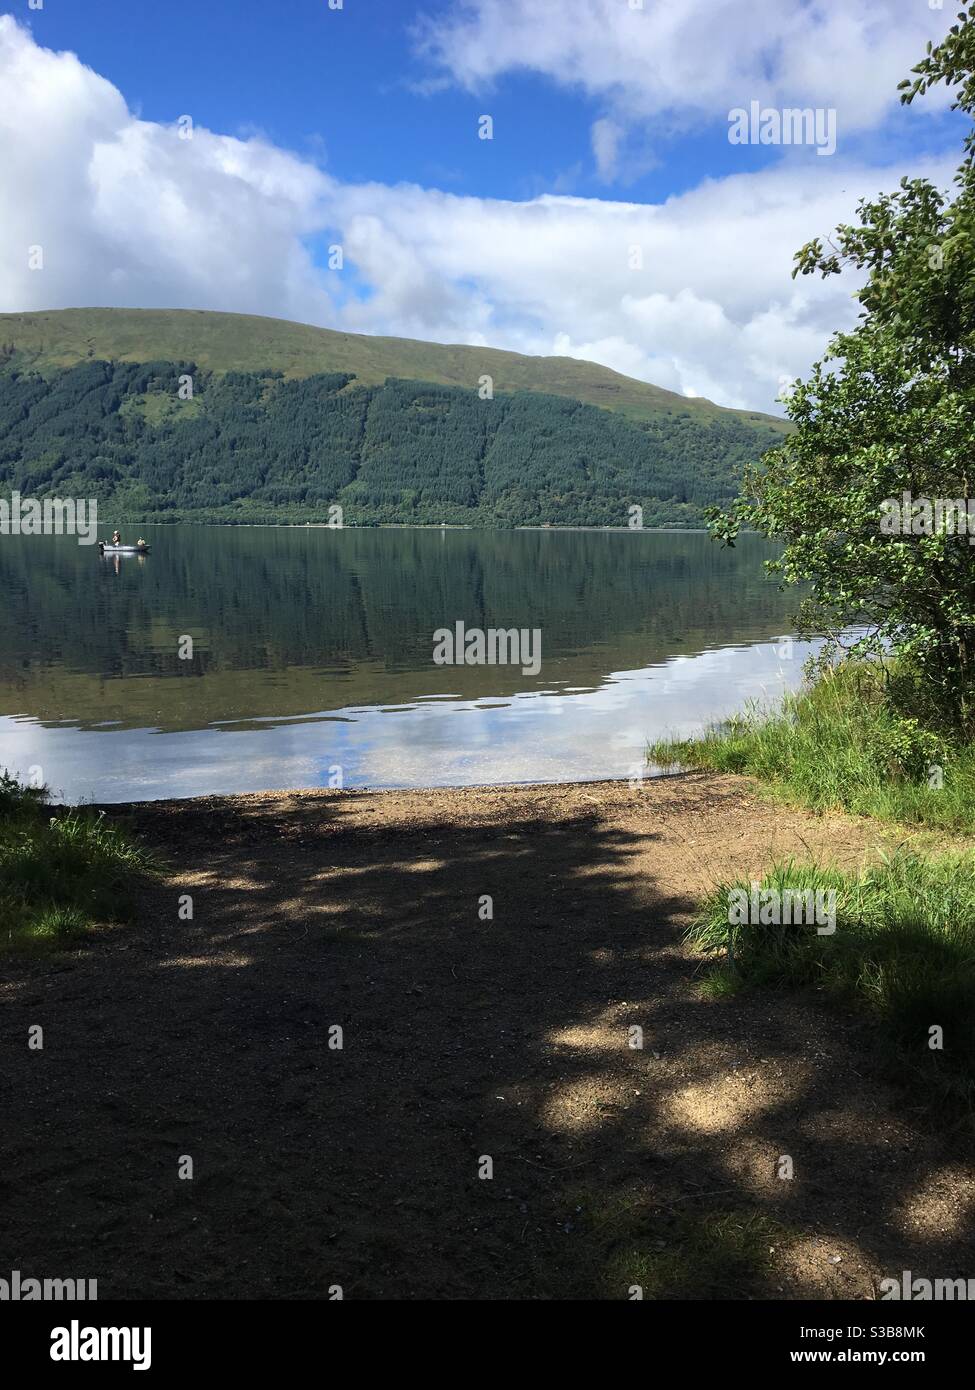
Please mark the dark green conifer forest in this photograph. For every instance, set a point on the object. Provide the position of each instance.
(251, 447)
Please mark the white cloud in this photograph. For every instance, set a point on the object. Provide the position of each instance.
(714, 310)
(647, 62)
(606, 136)
(129, 214)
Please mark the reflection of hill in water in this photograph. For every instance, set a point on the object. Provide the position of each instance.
(291, 621)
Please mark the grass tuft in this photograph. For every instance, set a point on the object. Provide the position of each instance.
(673, 1250)
(842, 744)
(61, 874)
(903, 951)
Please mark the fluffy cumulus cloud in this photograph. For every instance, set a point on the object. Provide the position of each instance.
(645, 56)
(693, 293)
(640, 61)
(126, 212)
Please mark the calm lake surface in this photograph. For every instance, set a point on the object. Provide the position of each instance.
(313, 656)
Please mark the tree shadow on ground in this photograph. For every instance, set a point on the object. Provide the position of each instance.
(466, 1038)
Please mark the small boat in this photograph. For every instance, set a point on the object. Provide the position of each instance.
(122, 549)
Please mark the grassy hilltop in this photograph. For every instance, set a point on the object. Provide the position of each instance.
(221, 343)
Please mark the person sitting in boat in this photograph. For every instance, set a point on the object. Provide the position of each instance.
(140, 544)
(116, 538)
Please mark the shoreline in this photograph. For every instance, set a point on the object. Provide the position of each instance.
(414, 526)
(277, 793)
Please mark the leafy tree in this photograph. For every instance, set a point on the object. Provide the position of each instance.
(889, 411)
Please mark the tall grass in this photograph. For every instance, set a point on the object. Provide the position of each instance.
(903, 951)
(843, 743)
(61, 874)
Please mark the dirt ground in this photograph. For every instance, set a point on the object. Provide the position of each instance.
(464, 1039)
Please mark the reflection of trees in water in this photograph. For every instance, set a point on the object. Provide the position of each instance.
(268, 598)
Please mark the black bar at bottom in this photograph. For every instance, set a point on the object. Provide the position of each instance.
(260, 1337)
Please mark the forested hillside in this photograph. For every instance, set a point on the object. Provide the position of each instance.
(251, 446)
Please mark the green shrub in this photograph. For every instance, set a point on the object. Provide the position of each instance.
(848, 743)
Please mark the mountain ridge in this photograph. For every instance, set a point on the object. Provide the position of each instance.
(219, 341)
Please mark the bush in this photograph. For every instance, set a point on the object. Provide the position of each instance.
(851, 742)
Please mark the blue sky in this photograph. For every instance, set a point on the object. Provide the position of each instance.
(315, 127)
(350, 89)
